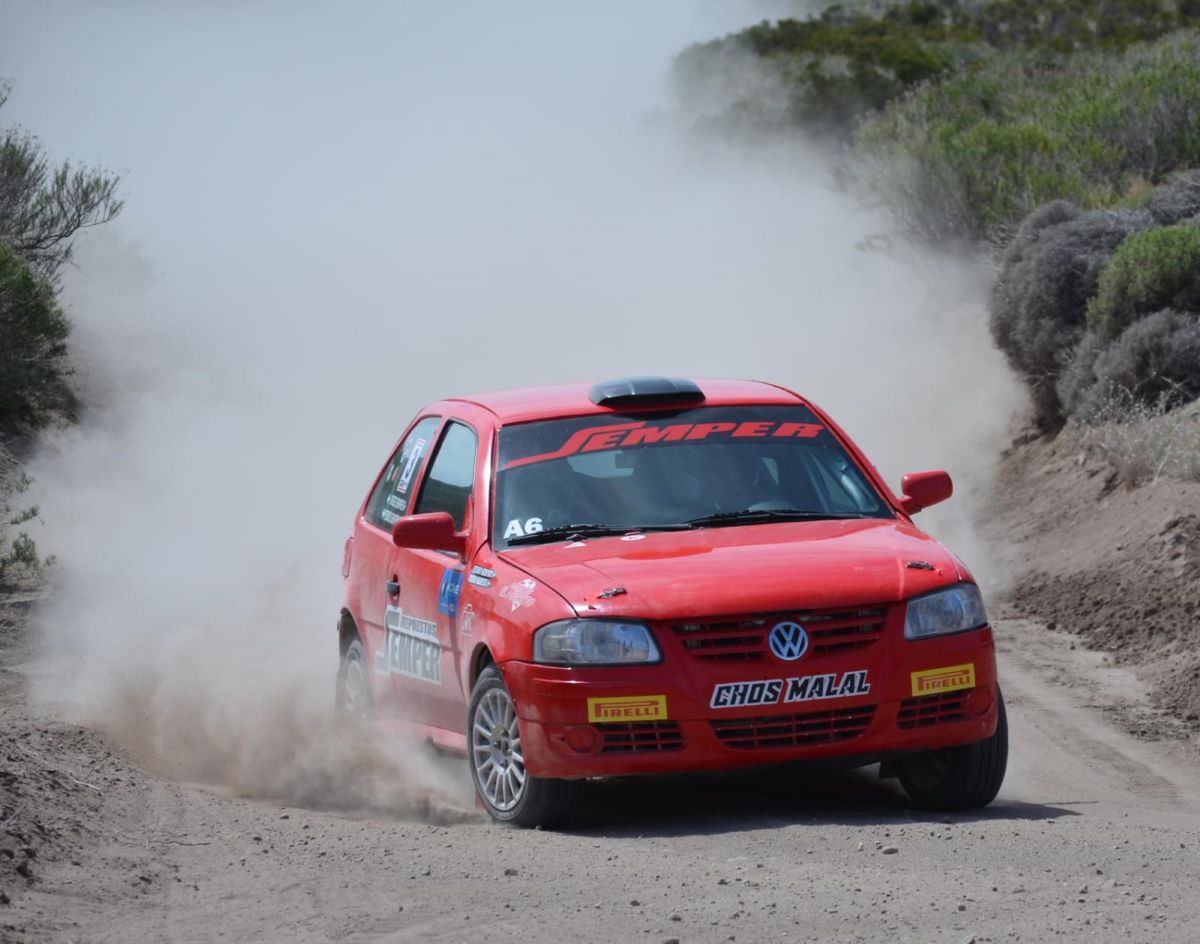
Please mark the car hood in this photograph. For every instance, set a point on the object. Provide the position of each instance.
(745, 569)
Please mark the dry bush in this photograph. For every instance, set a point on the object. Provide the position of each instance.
(1144, 442)
(1155, 360)
(1038, 306)
(1071, 289)
(1176, 200)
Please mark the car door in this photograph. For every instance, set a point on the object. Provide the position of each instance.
(426, 606)
(391, 497)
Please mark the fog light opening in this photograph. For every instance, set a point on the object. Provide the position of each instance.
(980, 701)
(583, 739)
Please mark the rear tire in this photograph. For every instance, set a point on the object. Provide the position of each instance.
(958, 778)
(497, 762)
(354, 698)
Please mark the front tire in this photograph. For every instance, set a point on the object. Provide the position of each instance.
(958, 778)
(497, 762)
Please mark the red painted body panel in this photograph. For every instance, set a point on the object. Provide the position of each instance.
(763, 568)
(542, 403)
(669, 578)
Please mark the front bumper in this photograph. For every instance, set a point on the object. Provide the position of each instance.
(662, 722)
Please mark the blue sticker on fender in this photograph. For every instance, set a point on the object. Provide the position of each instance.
(448, 591)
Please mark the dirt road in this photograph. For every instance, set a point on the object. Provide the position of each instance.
(1096, 835)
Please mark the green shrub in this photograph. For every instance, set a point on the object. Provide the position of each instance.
(828, 71)
(33, 349)
(837, 67)
(1153, 269)
(20, 562)
(1073, 25)
(967, 158)
(1073, 116)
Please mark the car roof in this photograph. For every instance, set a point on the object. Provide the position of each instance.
(526, 404)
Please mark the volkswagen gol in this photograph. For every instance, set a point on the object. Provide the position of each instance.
(652, 575)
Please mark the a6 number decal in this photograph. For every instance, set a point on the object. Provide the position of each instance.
(516, 528)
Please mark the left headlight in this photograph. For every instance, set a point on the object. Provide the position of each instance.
(952, 610)
(594, 642)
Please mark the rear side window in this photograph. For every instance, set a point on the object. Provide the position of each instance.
(393, 494)
(448, 484)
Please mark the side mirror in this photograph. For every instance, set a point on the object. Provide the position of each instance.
(919, 490)
(431, 532)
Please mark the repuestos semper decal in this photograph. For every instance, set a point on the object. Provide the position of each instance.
(410, 647)
(628, 435)
(790, 690)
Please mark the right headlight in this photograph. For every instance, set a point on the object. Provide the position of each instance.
(952, 610)
(594, 642)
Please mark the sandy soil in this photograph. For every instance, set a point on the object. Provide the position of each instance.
(1120, 566)
(1097, 833)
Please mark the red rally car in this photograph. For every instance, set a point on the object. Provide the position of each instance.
(652, 575)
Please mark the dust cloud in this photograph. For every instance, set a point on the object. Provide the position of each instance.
(335, 217)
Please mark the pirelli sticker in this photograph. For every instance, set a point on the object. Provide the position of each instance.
(630, 708)
(950, 679)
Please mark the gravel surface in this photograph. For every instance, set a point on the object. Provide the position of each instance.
(1096, 833)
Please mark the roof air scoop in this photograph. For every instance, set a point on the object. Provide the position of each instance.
(644, 391)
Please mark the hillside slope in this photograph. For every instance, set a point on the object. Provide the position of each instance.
(1118, 565)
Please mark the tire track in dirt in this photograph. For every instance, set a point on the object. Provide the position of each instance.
(1062, 742)
(1096, 834)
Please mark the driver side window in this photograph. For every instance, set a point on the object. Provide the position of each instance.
(448, 484)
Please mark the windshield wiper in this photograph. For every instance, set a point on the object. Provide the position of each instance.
(572, 531)
(753, 516)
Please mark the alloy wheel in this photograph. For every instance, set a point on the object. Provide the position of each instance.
(496, 750)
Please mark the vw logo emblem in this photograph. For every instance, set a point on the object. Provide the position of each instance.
(788, 641)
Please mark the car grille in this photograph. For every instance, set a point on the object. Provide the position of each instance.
(932, 709)
(815, 727)
(638, 737)
(744, 639)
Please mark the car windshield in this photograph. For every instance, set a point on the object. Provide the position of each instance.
(705, 467)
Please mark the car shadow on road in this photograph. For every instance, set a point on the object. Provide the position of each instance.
(703, 804)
